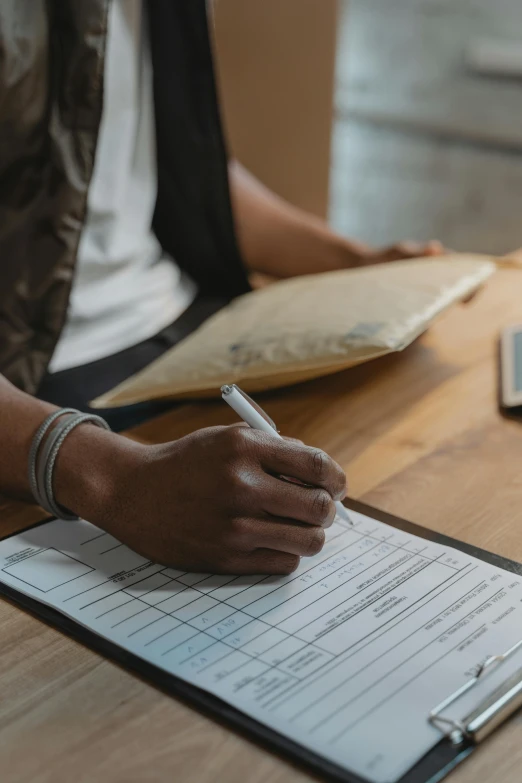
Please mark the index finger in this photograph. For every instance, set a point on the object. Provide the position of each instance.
(309, 465)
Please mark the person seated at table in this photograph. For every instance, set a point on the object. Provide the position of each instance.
(123, 225)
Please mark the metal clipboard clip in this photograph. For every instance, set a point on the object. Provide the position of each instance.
(490, 713)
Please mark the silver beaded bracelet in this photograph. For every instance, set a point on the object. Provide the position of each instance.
(42, 459)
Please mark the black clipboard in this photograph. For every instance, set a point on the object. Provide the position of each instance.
(434, 766)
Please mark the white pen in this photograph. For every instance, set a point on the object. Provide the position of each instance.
(255, 417)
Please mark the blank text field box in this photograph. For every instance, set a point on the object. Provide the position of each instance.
(47, 570)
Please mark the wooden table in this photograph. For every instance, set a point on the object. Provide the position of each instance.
(419, 435)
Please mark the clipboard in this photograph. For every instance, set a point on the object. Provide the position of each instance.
(459, 737)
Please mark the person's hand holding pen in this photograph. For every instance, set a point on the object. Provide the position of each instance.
(212, 501)
(253, 415)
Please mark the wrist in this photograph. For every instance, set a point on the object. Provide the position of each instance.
(333, 252)
(350, 253)
(90, 470)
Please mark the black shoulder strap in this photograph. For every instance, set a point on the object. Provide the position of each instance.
(193, 218)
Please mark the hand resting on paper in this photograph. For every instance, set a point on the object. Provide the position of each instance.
(211, 501)
(208, 502)
(401, 250)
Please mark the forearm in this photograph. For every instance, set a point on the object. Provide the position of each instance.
(281, 240)
(20, 417)
(87, 462)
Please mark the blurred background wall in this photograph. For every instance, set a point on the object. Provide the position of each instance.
(424, 146)
(276, 60)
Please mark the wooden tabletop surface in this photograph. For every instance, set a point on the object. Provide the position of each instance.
(419, 435)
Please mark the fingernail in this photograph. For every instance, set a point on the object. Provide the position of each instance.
(342, 495)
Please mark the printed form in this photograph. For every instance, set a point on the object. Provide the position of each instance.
(346, 656)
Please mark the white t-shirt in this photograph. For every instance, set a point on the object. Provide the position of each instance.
(125, 288)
